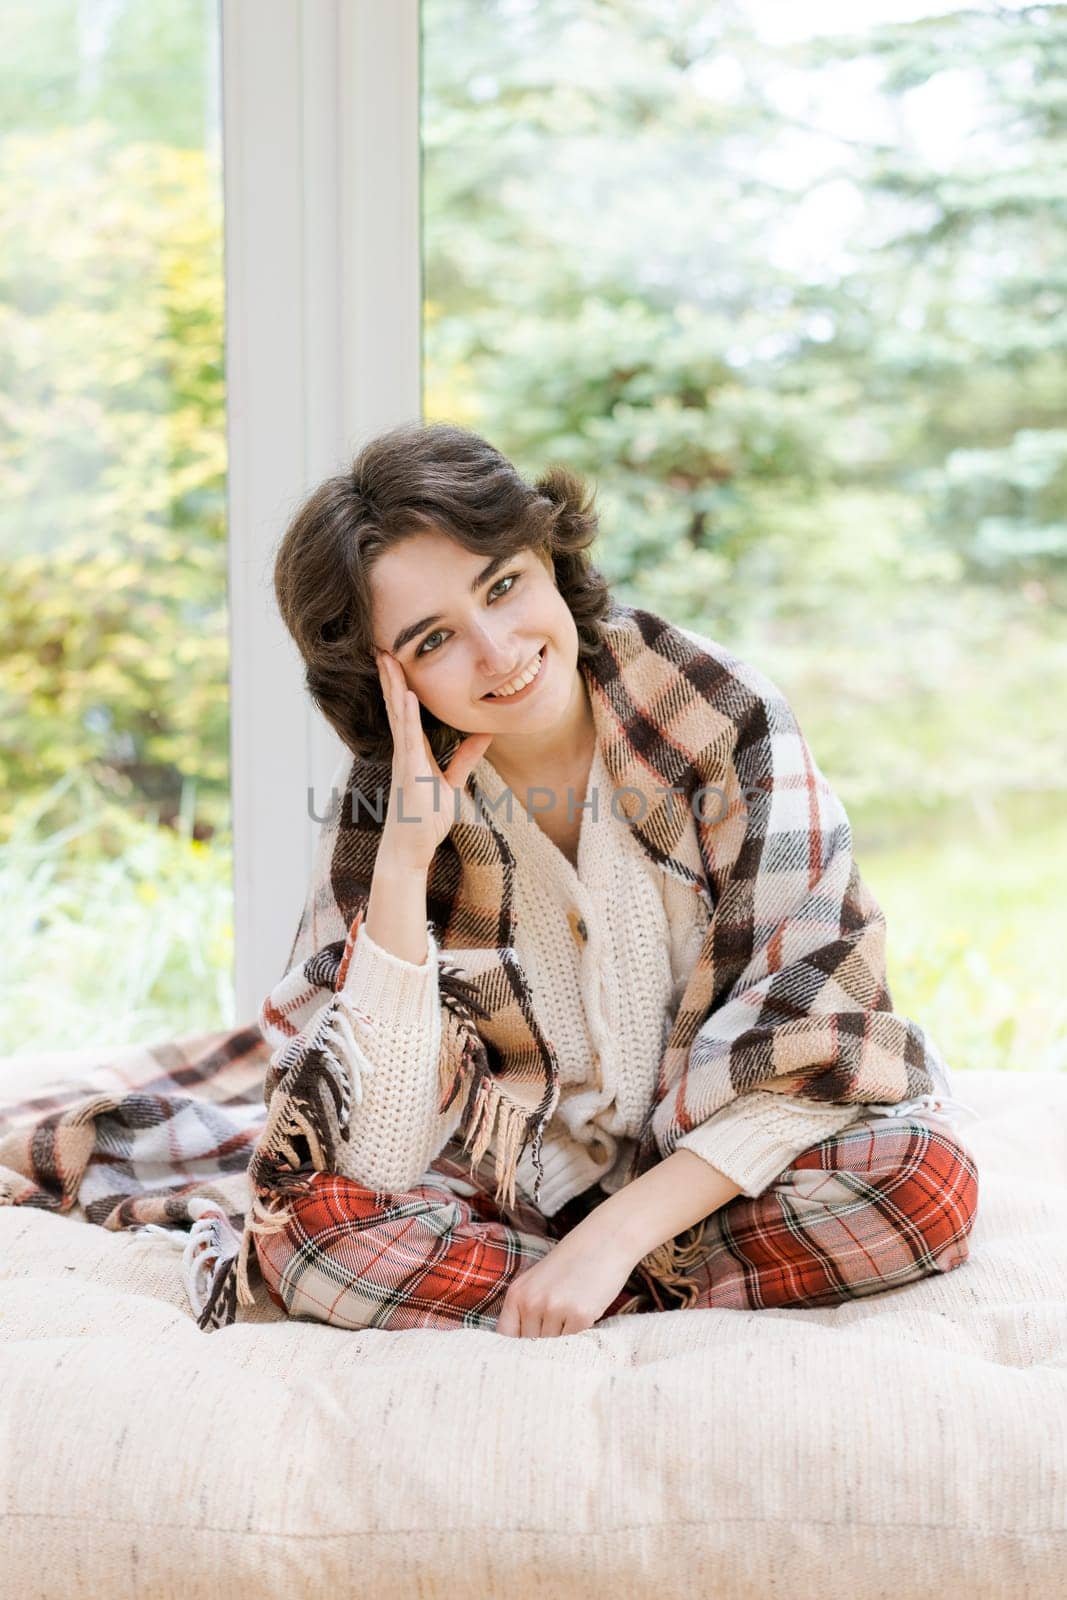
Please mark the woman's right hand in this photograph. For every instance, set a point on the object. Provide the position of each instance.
(428, 808)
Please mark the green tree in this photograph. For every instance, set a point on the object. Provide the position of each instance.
(112, 470)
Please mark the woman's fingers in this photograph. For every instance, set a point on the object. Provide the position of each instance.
(413, 757)
(401, 704)
(395, 691)
(406, 727)
(386, 681)
(466, 757)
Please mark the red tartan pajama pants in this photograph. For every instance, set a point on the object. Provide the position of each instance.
(880, 1204)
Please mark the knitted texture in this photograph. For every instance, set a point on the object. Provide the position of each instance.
(788, 993)
(607, 949)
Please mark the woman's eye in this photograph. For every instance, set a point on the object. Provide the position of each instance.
(422, 651)
(511, 578)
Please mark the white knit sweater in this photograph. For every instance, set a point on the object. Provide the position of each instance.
(608, 949)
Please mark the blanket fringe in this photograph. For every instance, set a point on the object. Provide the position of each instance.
(211, 1239)
(219, 1310)
(492, 1113)
(463, 1054)
(489, 1110)
(315, 1080)
(315, 1094)
(668, 1266)
(314, 1104)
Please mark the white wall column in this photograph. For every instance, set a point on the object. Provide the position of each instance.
(320, 119)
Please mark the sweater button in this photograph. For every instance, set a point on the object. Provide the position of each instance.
(579, 931)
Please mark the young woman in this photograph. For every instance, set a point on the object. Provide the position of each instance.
(605, 941)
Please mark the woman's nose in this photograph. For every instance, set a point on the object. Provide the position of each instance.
(497, 655)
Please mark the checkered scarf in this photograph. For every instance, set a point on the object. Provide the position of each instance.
(788, 993)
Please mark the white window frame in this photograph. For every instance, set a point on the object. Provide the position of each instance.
(321, 145)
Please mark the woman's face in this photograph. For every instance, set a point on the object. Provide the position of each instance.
(459, 632)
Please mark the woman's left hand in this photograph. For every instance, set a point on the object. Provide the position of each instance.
(567, 1290)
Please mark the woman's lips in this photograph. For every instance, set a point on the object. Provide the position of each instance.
(527, 689)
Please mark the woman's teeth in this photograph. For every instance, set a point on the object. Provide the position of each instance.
(518, 683)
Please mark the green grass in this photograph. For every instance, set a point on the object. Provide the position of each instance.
(974, 903)
(115, 931)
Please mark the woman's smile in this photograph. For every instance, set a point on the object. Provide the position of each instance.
(527, 689)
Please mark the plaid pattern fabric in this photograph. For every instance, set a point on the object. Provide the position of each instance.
(159, 1136)
(871, 1208)
(789, 989)
(788, 992)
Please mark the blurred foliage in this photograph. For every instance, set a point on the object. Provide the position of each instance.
(795, 306)
(975, 933)
(113, 607)
(149, 70)
(840, 450)
(116, 930)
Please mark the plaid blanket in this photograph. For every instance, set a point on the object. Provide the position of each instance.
(788, 992)
(157, 1138)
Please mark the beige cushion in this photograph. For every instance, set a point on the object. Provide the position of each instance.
(909, 1443)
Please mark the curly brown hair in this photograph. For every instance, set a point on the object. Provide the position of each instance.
(417, 477)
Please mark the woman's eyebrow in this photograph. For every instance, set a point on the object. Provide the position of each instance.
(407, 634)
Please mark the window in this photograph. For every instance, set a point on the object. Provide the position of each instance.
(116, 838)
(783, 282)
